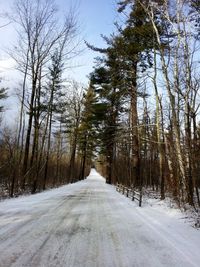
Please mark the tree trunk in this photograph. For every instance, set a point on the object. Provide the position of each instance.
(188, 155)
(73, 156)
(82, 176)
(195, 159)
(179, 153)
(109, 167)
(158, 129)
(49, 120)
(28, 135)
(136, 179)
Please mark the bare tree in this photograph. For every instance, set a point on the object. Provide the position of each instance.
(39, 34)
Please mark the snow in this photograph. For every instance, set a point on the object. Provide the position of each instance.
(89, 224)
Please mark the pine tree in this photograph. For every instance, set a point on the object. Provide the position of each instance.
(133, 45)
(108, 85)
(3, 95)
(54, 104)
(87, 131)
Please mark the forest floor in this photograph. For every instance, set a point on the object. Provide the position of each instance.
(89, 224)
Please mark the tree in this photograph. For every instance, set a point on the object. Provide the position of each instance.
(86, 130)
(3, 95)
(55, 90)
(39, 35)
(131, 50)
(180, 56)
(108, 86)
(3, 91)
(133, 45)
(74, 108)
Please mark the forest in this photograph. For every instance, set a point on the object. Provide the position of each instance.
(137, 121)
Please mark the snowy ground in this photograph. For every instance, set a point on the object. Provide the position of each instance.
(89, 224)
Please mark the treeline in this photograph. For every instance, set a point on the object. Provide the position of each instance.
(46, 149)
(138, 120)
(146, 99)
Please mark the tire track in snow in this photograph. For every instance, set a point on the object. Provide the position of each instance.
(90, 225)
(39, 230)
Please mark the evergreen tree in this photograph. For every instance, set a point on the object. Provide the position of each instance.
(55, 101)
(87, 133)
(108, 85)
(128, 55)
(134, 45)
(3, 95)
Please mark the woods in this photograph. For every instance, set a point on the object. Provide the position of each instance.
(137, 120)
(37, 154)
(152, 61)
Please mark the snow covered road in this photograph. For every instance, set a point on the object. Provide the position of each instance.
(89, 224)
